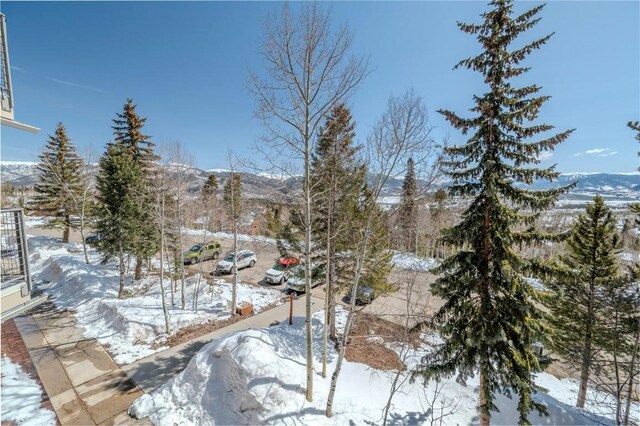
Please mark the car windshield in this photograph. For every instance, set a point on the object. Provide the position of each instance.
(229, 257)
(279, 267)
(195, 248)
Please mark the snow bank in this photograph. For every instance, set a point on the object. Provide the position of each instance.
(21, 397)
(129, 326)
(258, 376)
(411, 262)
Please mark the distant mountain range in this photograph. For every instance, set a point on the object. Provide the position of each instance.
(618, 189)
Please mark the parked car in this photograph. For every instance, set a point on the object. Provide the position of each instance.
(279, 272)
(93, 239)
(202, 252)
(246, 259)
(364, 295)
(296, 281)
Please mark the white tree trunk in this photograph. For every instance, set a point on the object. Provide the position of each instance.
(234, 286)
(164, 302)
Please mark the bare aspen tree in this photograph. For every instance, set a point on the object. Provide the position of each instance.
(307, 71)
(180, 177)
(232, 198)
(79, 197)
(415, 313)
(400, 133)
(163, 191)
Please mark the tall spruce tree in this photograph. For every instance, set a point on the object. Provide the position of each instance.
(336, 178)
(408, 209)
(209, 189)
(588, 271)
(117, 205)
(128, 133)
(59, 180)
(489, 319)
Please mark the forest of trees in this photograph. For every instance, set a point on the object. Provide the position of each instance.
(588, 314)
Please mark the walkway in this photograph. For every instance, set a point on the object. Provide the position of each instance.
(84, 385)
(151, 372)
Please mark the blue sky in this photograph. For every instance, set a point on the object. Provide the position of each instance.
(186, 66)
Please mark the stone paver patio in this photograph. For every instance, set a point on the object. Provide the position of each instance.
(85, 386)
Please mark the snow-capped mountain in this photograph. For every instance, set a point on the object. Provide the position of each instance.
(616, 188)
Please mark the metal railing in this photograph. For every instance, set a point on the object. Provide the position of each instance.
(14, 257)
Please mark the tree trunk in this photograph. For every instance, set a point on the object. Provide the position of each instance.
(332, 302)
(67, 227)
(347, 328)
(164, 302)
(138, 272)
(171, 278)
(234, 286)
(485, 416)
(181, 260)
(632, 373)
(327, 295)
(307, 273)
(121, 256)
(82, 213)
(196, 291)
(586, 352)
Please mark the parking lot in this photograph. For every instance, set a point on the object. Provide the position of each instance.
(266, 254)
(412, 286)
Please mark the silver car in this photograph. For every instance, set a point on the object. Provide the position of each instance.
(246, 259)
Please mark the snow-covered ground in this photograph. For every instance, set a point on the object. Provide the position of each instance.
(229, 236)
(410, 262)
(132, 325)
(21, 397)
(34, 221)
(258, 376)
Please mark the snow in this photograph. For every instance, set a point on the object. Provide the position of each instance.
(229, 236)
(629, 257)
(36, 221)
(257, 376)
(411, 262)
(132, 327)
(536, 283)
(21, 397)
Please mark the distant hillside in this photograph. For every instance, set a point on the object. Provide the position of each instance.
(617, 188)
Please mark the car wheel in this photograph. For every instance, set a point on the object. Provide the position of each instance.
(281, 281)
(194, 260)
(215, 255)
(252, 264)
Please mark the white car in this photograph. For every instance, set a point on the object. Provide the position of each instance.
(246, 259)
(279, 272)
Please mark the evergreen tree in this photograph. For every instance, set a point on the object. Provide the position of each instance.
(336, 180)
(118, 205)
(59, 180)
(408, 209)
(577, 305)
(210, 189)
(635, 126)
(489, 319)
(128, 133)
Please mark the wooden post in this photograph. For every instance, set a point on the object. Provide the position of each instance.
(290, 308)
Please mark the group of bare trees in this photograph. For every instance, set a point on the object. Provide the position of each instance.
(309, 70)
